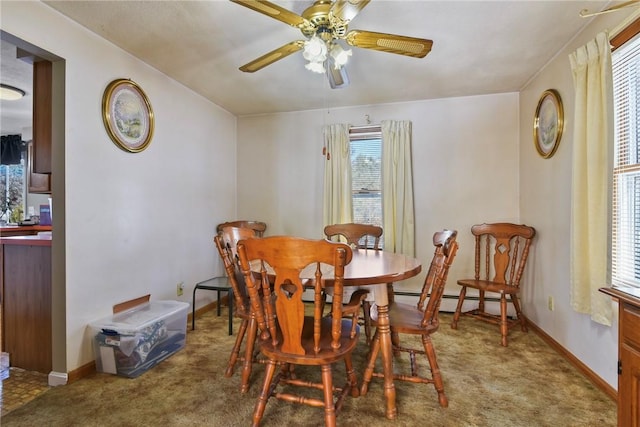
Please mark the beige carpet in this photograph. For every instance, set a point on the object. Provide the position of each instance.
(525, 384)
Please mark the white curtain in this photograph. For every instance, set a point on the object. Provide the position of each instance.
(592, 142)
(337, 204)
(397, 187)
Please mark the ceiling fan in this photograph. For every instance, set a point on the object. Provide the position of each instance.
(323, 24)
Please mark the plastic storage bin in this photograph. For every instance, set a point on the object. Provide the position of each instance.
(133, 341)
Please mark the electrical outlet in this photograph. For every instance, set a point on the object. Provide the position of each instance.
(180, 288)
(550, 303)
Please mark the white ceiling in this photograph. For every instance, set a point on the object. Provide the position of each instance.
(15, 115)
(479, 47)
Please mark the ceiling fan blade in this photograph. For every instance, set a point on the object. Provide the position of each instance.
(402, 45)
(274, 11)
(272, 56)
(346, 10)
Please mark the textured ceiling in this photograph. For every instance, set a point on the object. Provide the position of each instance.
(479, 47)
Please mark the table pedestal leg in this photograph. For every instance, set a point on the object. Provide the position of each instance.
(384, 332)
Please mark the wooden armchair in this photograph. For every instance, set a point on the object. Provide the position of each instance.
(501, 252)
(362, 236)
(419, 319)
(226, 242)
(289, 337)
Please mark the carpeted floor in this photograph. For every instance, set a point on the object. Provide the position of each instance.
(525, 384)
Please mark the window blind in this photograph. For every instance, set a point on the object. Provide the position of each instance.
(625, 257)
(366, 175)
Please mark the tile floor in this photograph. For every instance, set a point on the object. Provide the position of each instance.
(21, 387)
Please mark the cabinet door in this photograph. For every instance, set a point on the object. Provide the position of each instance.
(42, 117)
(38, 182)
(629, 383)
(26, 309)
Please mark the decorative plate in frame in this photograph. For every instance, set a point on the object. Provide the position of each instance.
(127, 115)
(548, 123)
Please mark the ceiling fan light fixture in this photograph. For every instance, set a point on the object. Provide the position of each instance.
(316, 67)
(340, 56)
(315, 50)
(10, 93)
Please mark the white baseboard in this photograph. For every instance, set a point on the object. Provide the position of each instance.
(57, 378)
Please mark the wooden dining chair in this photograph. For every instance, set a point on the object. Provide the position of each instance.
(362, 236)
(501, 252)
(258, 226)
(289, 336)
(226, 242)
(419, 319)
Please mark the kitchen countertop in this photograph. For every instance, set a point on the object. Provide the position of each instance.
(33, 240)
(34, 228)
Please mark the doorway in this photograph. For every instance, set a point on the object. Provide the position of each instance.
(23, 49)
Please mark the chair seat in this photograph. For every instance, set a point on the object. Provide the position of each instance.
(406, 318)
(326, 354)
(489, 286)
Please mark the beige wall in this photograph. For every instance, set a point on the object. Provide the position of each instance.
(465, 161)
(546, 204)
(135, 223)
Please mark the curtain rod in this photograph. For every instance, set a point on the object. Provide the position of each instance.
(585, 12)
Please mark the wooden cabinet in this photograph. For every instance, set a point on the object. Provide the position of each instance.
(629, 371)
(38, 182)
(42, 116)
(26, 303)
(628, 357)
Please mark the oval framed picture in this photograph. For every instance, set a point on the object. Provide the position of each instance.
(548, 123)
(127, 115)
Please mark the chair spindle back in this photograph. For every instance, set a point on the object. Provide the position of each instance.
(503, 249)
(446, 248)
(258, 226)
(358, 235)
(283, 263)
(226, 242)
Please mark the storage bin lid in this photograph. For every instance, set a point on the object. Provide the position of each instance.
(139, 317)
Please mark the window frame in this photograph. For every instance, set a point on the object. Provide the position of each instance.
(620, 275)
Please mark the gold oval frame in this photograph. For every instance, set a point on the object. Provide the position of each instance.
(548, 123)
(134, 134)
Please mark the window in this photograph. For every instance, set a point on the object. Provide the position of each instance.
(366, 175)
(12, 187)
(625, 260)
(13, 190)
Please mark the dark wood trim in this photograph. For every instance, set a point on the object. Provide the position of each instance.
(81, 372)
(625, 35)
(592, 376)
